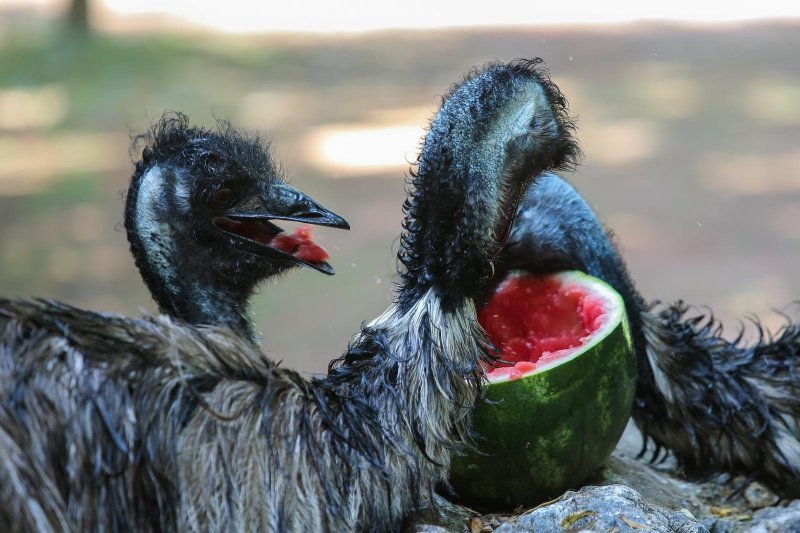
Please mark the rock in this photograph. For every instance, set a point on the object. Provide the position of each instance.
(777, 519)
(758, 496)
(601, 509)
(443, 515)
(430, 528)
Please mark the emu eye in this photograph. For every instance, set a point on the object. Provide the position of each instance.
(222, 197)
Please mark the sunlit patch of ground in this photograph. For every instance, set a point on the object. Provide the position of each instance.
(774, 99)
(240, 16)
(364, 149)
(751, 174)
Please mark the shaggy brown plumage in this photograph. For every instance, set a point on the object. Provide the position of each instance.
(725, 404)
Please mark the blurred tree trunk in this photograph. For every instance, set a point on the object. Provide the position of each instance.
(78, 17)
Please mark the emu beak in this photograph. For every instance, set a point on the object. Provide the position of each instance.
(287, 203)
(250, 222)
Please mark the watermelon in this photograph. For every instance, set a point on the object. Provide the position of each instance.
(559, 396)
(300, 244)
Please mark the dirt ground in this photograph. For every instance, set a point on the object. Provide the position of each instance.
(691, 138)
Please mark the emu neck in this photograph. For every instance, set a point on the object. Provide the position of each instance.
(197, 293)
(203, 302)
(187, 281)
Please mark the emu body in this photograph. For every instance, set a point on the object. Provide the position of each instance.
(115, 423)
(718, 404)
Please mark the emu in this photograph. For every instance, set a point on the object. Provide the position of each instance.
(717, 404)
(109, 422)
(200, 215)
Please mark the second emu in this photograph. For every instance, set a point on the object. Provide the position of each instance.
(718, 404)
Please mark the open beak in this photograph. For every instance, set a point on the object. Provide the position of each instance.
(250, 222)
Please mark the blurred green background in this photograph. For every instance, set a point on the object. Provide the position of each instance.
(691, 136)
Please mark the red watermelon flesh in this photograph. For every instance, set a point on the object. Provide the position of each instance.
(535, 321)
(300, 244)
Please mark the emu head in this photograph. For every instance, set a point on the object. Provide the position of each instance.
(201, 215)
(495, 132)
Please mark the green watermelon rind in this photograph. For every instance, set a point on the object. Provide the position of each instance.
(549, 430)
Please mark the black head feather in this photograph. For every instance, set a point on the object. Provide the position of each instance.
(192, 271)
(496, 131)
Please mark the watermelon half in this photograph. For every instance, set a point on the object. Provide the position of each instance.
(560, 398)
